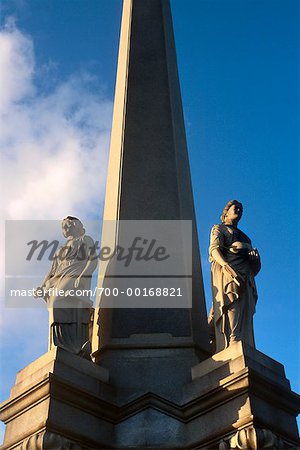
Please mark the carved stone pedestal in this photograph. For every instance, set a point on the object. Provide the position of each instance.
(237, 399)
(251, 405)
(60, 401)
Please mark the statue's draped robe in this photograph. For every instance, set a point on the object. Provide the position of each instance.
(69, 315)
(230, 299)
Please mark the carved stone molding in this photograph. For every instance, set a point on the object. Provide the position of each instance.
(253, 439)
(46, 440)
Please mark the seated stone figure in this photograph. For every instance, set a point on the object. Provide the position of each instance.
(65, 290)
(234, 265)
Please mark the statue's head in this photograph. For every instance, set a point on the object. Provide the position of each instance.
(72, 227)
(232, 211)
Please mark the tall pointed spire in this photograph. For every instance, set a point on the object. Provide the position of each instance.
(148, 174)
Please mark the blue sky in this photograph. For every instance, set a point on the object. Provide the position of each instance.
(238, 66)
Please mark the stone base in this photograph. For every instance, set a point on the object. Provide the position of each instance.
(60, 401)
(249, 402)
(236, 399)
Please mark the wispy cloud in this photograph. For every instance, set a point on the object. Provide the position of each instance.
(54, 147)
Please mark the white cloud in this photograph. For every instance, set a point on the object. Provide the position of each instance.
(17, 65)
(54, 148)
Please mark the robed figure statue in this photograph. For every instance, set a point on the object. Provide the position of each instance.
(234, 264)
(66, 289)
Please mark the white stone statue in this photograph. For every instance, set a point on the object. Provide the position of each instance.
(235, 263)
(65, 289)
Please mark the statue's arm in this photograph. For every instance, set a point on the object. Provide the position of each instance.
(42, 287)
(92, 259)
(255, 261)
(49, 275)
(91, 263)
(47, 278)
(218, 257)
(51, 271)
(217, 242)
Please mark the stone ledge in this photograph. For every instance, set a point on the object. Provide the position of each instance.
(238, 356)
(62, 363)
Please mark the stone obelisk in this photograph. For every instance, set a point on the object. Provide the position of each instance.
(149, 177)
